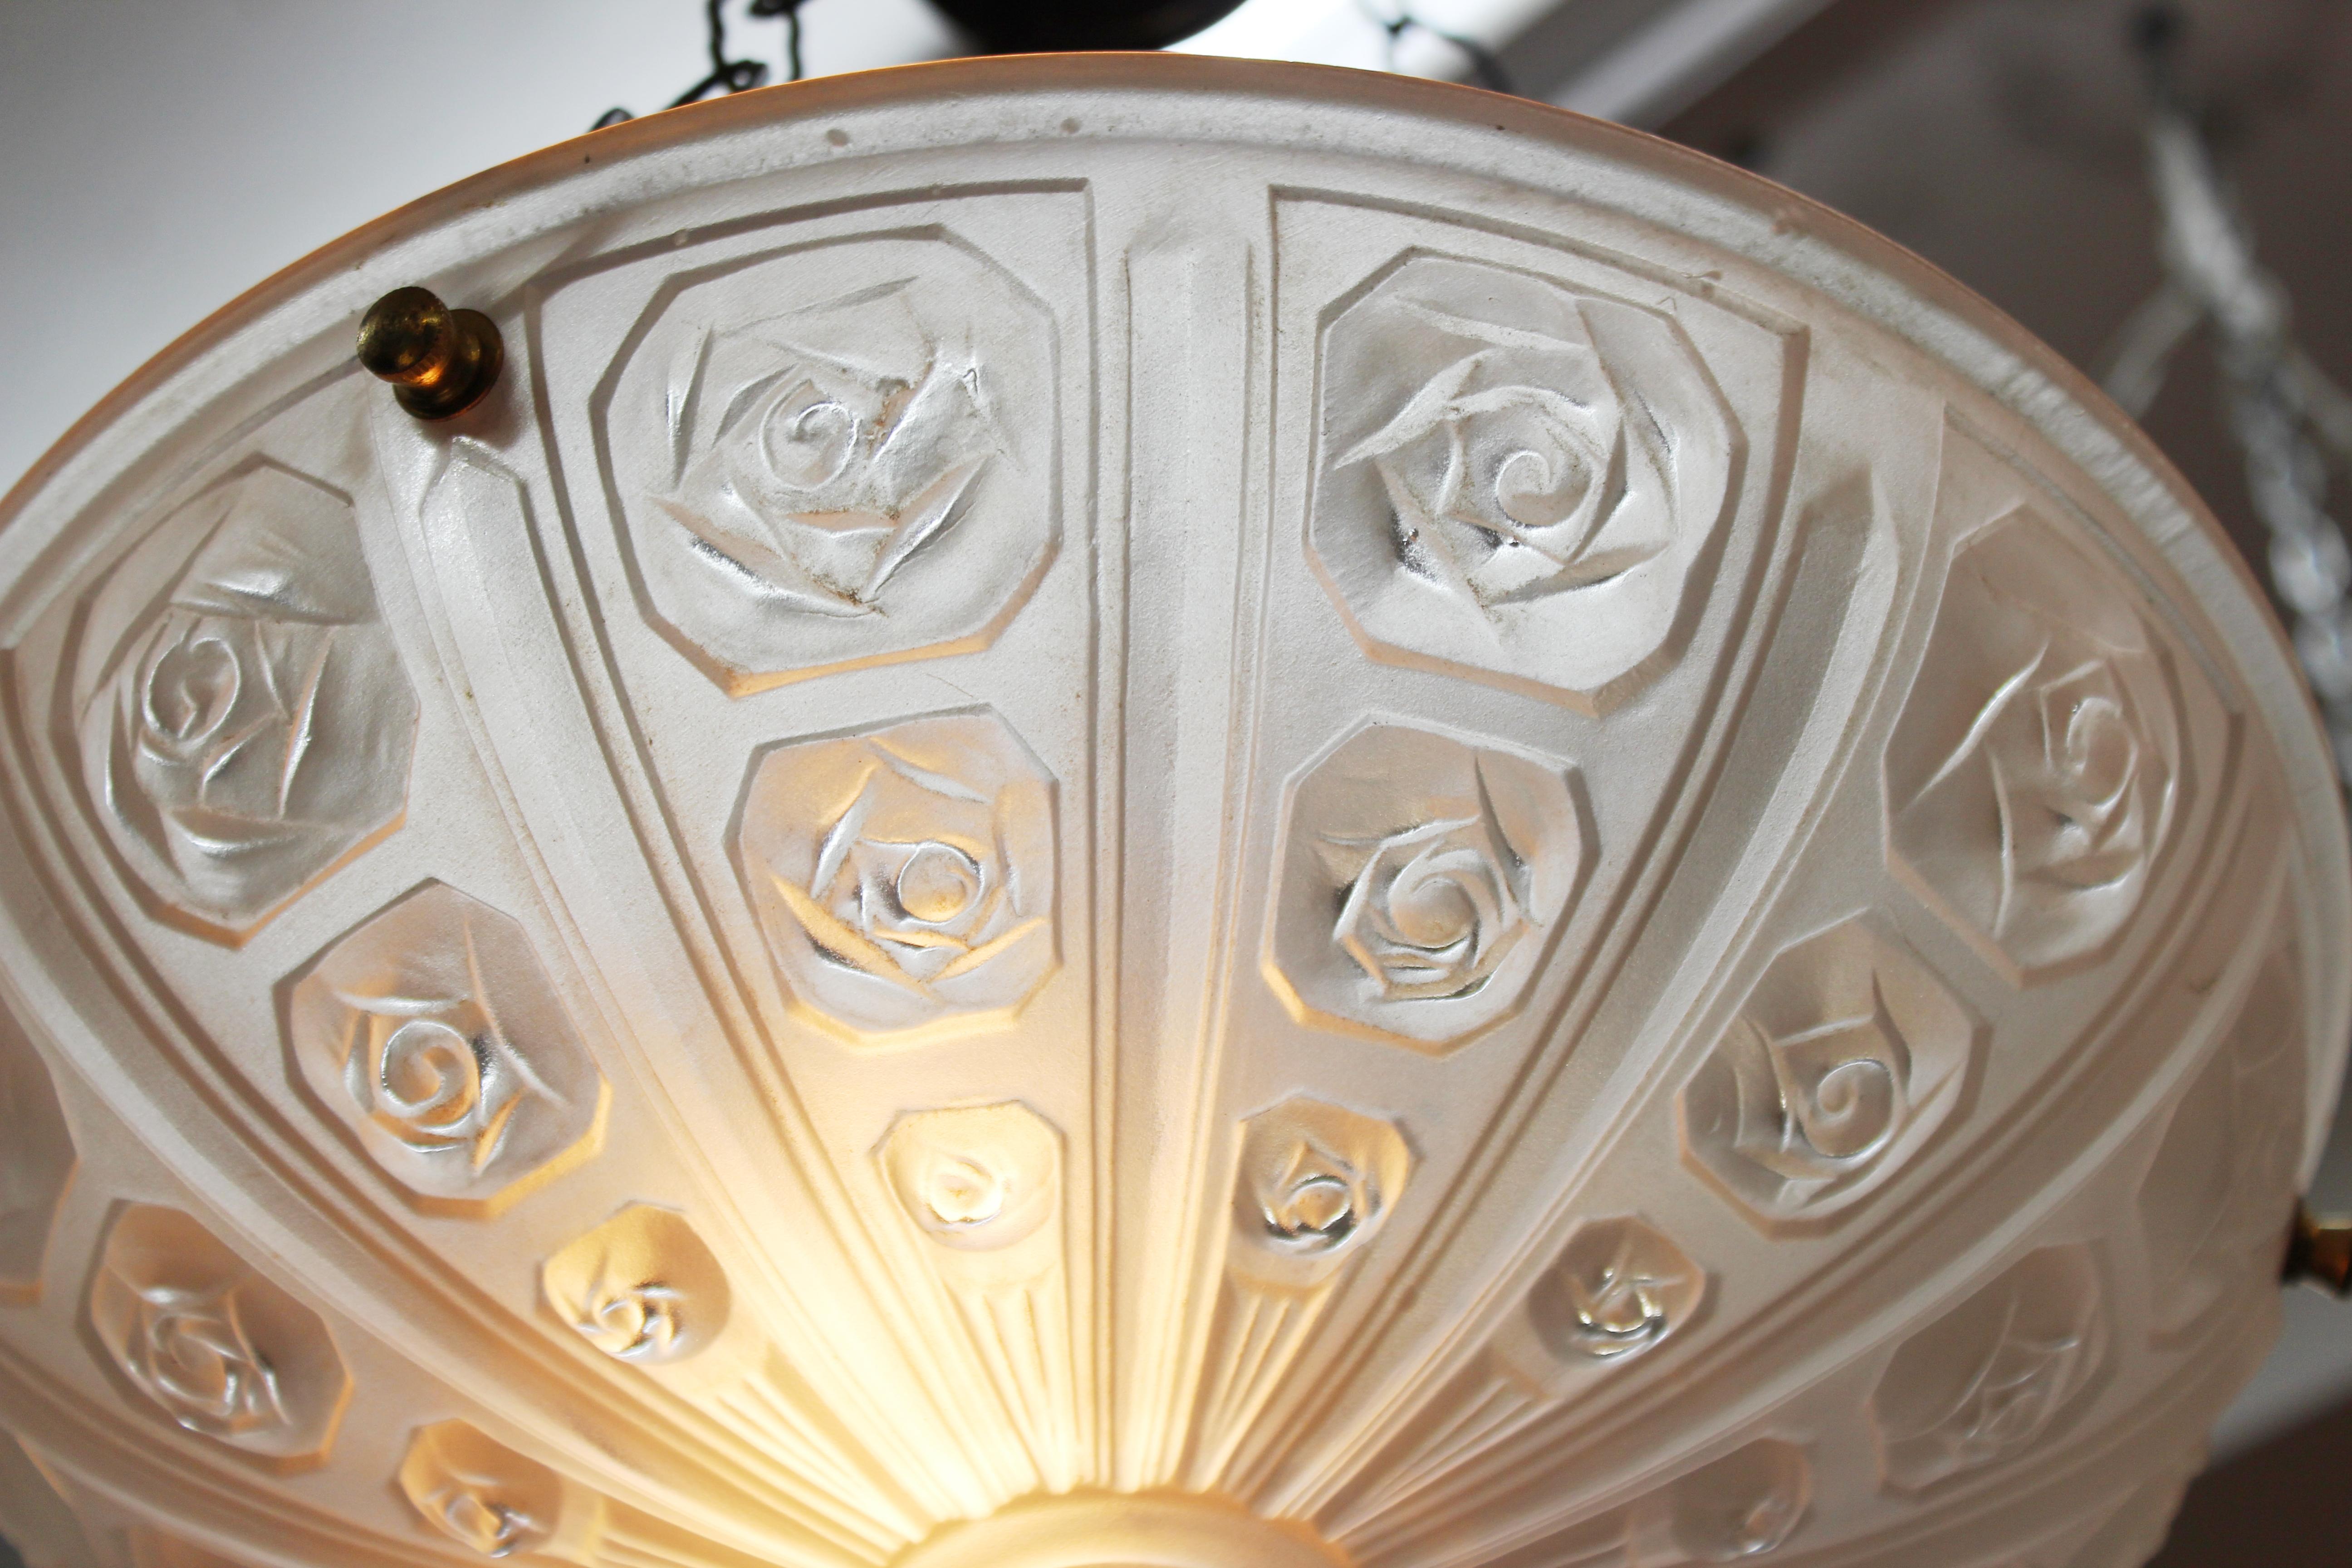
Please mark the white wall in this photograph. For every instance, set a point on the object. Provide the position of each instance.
(159, 157)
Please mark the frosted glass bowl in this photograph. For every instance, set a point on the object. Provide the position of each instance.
(1128, 811)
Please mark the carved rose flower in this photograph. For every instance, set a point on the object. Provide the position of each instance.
(974, 1179)
(1430, 910)
(1521, 475)
(2067, 768)
(836, 454)
(837, 459)
(1316, 1182)
(1620, 1313)
(1618, 1288)
(640, 1286)
(491, 1525)
(2032, 775)
(446, 1083)
(434, 1028)
(633, 1319)
(905, 875)
(1845, 1056)
(1509, 474)
(1840, 1091)
(218, 1348)
(1419, 873)
(191, 1352)
(485, 1496)
(1993, 1375)
(255, 726)
(1313, 1200)
(960, 1194)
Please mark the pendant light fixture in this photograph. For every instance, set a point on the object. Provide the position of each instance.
(1137, 811)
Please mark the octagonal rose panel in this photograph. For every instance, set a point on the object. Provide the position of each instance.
(1422, 877)
(1618, 1287)
(816, 460)
(1996, 1376)
(213, 1344)
(2035, 775)
(244, 722)
(904, 877)
(434, 1035)
(1518, 479)
(1846, 1057)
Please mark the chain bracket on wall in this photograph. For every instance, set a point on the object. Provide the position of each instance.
(2288, 417)
(728, 75)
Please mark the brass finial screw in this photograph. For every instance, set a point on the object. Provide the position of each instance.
(440, 361)
(2319, 1253)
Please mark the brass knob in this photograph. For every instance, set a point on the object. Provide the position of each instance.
(440, 361)
(2319, 1252)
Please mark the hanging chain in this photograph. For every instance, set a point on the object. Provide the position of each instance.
(1486, 68)
(728, 75)
(732, 75)
(2287, 415)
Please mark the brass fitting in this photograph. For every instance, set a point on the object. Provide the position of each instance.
(2319, 1253)
(439, 362)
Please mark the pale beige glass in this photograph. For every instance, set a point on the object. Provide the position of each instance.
(1140, 813)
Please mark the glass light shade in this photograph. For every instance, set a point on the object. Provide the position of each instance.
(1139, 812)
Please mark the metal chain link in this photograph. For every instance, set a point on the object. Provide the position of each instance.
(727, 74)
(2287, 415)
(1486, 67)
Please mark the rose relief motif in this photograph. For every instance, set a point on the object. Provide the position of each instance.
(642, 1287)
(905, 877)
(1420, 876)
(246, 725)
(1316, 1184)
(2033, 778)
(982, 1184)
(1618, 1288)
(433, 1032)
(485, 1497)
(2210, 1204)
(1845, 1059)
(215, 1346)
(1743, 1504)
(975, 1178)
(37, 1162)
(1991, 1377)
(1519, 478)
(865, 475)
